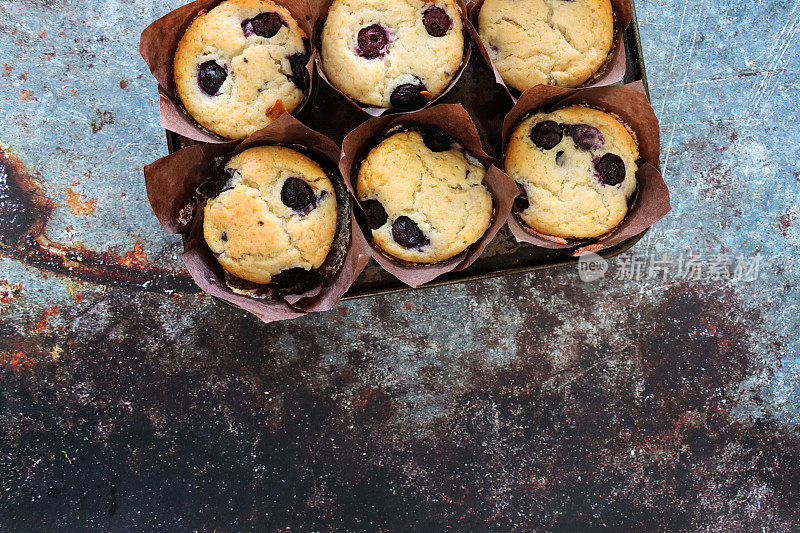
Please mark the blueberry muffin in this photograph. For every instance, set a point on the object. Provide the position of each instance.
(576, 170)
(551, 42)
(392, 53)
(423, 196)
(239, 65)
(275, 215)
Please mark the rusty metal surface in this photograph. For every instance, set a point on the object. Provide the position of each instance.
(129, 402)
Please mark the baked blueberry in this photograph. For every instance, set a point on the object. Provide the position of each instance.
(560, 158)
(375, 213)
(296, 280)
(611, 169)
(264, 25)
(547, 134)
(586, 137)
(372, 41)
(298, 64)
(211, 76)
(297, 194)
(521, 202)
(408, 96)
(406, 233)
(437, 22)
(436, 141)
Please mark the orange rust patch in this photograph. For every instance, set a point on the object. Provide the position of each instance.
(79, 204)
(7, 69)
(135, 258)
(73, 290)
(9, 291)
(17, 361)
(27, 95)
(44, 320)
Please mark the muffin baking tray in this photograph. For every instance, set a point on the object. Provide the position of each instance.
(331, 114)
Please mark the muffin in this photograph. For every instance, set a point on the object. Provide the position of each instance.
(576, 170)
(275, 215)
(392, 53)
(550, 42)
(240, 65)
(423, 196)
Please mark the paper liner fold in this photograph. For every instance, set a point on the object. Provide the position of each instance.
(630, 104)
(612, 72)
(319, 10)
(172, 184)
(455, 121)
(159, 42)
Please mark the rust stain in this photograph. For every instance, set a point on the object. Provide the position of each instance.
(27, 95)
(44, 320)
(9, 291)
(16, 361)
(24, 212)
(372, 405)
(137, 257)
(79, 203)
(73, 290)
(7, 70)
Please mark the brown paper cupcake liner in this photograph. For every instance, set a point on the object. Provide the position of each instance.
(172, 189)
(612, 71)
(319, 9)
(159, 42)
(630, 104)
(455, 121)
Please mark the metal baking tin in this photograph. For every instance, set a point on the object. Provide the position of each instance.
(487, 103)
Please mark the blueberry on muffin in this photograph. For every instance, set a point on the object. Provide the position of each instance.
(552, 42)
(392, 53)
(239, 65)
(576, 170)
(275, 217)
(423, 196)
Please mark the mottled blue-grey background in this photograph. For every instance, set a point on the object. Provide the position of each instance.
(129, 402)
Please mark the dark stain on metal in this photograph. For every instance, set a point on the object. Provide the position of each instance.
(786, 220)
(103, 119)
(24, 212)
(22, 202)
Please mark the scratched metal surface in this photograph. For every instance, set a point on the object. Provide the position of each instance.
(129, 402)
